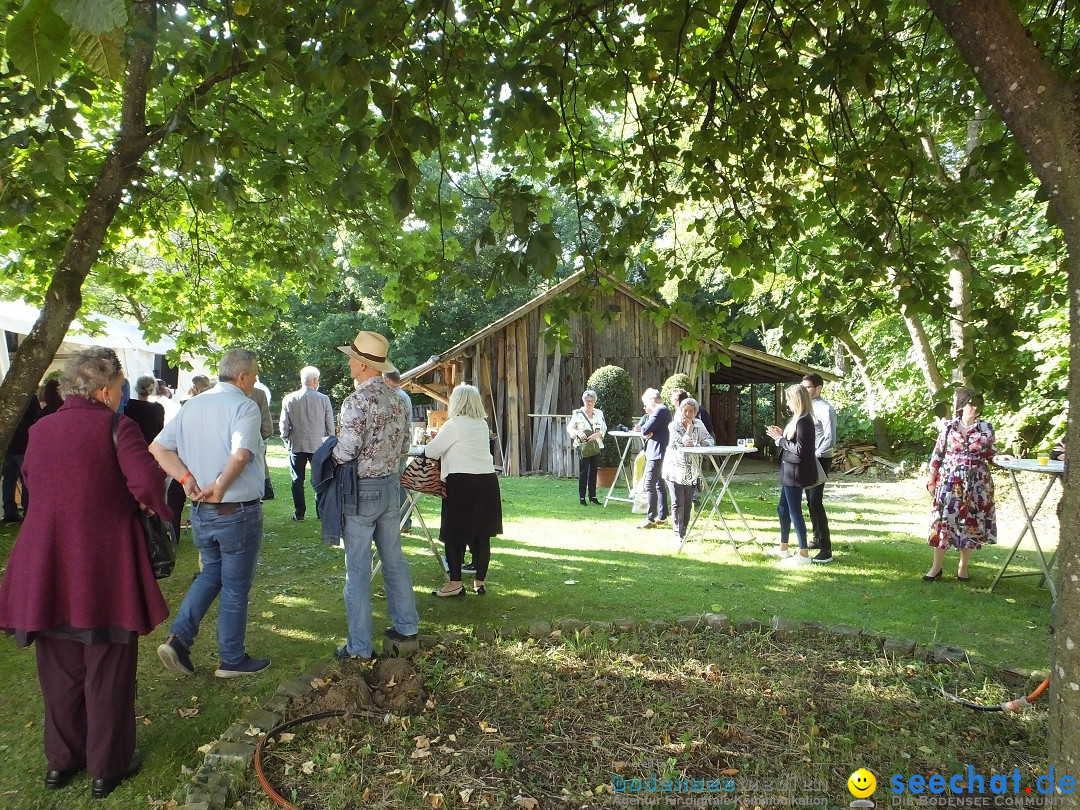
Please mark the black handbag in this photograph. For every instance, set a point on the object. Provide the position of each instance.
(160, 543)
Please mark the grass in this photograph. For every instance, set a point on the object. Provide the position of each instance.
(555, 561)
(560, 721)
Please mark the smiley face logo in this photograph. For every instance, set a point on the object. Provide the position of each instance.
(862, 783)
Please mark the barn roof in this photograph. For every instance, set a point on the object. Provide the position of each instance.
(747, 365)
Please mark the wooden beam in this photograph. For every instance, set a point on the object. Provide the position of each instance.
(431, 392)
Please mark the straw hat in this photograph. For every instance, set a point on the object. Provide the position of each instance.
(370, 348)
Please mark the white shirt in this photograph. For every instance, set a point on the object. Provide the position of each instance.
(824, 427)
(463, 446)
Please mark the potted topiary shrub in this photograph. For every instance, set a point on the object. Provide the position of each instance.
(615, 397)
(680, 380)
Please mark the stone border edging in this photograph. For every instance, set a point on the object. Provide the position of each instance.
(225, 770)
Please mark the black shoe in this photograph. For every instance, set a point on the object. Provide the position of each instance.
(394, 635)
(17, 518)
(814, 544)
(933, 578)
(480, 590)
(100, 788)
(822, 557)
(468, 568)
(342, 654)
(583, 503)
(444, 595)
(297, 518)
(176, 657)
(962, 579)
(57, 779)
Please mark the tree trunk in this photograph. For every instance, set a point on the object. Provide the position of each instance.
(960, 314)
(1042, 110)
(64, 295)
(924, 354)
(858, 356)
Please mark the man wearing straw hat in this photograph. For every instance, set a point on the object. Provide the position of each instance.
(375, 433)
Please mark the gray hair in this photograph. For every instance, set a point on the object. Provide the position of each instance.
(689, 401)
(465, 401)
(650, 394)
(146, 385)
(88, 371)
(235, 362)
(308, 374)
(589, 394)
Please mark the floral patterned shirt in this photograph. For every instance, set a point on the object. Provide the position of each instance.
(374, 429)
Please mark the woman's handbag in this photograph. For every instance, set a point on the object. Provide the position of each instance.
(590, 448)
(423, 474)
(160, 543)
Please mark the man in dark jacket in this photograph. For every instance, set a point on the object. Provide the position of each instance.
(655, 431)
(12, 471)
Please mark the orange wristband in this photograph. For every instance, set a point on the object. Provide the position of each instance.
(185, 478)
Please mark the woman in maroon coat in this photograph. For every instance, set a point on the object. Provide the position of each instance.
(78, 582)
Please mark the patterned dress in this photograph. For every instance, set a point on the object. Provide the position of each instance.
(964, 515)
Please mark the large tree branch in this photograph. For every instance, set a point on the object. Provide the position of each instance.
(64, 294)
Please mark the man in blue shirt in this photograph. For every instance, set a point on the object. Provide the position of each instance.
(655, 431)
(214, 450)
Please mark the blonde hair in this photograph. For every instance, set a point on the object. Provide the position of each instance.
(465, 401)
(798, 399)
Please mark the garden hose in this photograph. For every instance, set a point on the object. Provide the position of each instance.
(264, 783)
(1014, 705)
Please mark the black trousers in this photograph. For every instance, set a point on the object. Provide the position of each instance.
(297, 470)
(586, 479)
(89, 692)
(175, 497)
(818, 519)
(684, 504)
(656, 489)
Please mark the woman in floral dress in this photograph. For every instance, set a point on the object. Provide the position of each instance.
(964, 516)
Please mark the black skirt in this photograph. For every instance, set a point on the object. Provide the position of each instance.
(472, 507)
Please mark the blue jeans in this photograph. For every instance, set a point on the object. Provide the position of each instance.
(376, 519)
(228, 546)
(790, 512)
(12, 472)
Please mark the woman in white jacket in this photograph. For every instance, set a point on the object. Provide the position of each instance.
(472, 508)
(587, 423)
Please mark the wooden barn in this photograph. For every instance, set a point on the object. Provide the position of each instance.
(530, 390)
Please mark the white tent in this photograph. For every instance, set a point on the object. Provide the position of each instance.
(137, 355)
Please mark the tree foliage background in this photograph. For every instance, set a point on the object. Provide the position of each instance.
(819, 174)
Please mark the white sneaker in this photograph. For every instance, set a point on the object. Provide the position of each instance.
(796, 559)
(777, 552)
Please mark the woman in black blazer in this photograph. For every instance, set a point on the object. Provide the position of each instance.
(798, 470)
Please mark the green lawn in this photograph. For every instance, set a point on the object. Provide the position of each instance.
(556, 560)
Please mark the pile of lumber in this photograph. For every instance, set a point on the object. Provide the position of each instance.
(854, 458)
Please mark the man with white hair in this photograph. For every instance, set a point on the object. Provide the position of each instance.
(214, 450)
(655, 431)
(307, 417)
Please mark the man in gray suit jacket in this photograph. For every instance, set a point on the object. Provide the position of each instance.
(307, 417)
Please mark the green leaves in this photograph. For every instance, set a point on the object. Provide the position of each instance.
(93, 16)
(36, 41)
(102, 53)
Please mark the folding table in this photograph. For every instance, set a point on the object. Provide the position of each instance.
(411, 509)
(629, 437)
(725, 461)
(1054, 472)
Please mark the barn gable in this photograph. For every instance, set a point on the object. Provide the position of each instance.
(529, 390)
